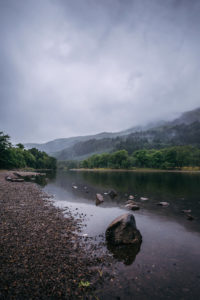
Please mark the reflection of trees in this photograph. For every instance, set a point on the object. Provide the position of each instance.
(181, 190)
(43, 180)
(148, 183)
(124, 253)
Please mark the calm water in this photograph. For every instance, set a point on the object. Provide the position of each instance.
(168, 263)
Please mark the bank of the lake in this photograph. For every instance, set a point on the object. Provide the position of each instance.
(183, 170)
(42, 254)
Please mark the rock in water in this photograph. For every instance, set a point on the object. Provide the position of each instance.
(14, 179)
(99, 199)
(131, 197)
(144, 199)
(132, 206)
(17, 180)
(112, 194)
(130, 202)
(123, 231)
(190, 217)
(163, 203)
(186, 211)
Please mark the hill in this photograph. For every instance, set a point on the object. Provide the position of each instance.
(184, 130)
(64, 143)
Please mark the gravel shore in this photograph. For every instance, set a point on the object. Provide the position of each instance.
(42, 256)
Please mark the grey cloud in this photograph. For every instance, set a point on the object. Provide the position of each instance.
(80, 67)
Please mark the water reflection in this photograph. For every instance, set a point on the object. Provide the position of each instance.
(179, 189)
(124, 253)
(43, 180)
(167, 264)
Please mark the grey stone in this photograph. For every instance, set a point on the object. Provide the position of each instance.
(132, 206)
(99, 199)
(123, 231)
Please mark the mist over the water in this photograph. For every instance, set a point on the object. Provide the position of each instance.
(81, 67)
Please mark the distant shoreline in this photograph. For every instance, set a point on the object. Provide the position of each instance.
(145, 170)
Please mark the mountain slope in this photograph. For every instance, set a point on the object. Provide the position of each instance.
(183, 134)
(182, 131)
(188, 117)
(64, 143)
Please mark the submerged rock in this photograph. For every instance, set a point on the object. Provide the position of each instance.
(112, 194)
(144, 199)
(130, 202)
(123, 231)
(186, 211)
(99, 199)
(17, 180)
(163, 203)
(132, 206)
(190, 217)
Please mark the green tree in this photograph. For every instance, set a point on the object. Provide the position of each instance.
(141, 158)
(20, 146)
(29, 159)
(119, 159)
(156, 159)
(5, 146)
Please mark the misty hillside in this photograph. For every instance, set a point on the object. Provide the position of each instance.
(184, 130)
(188, 117)
(64, 143)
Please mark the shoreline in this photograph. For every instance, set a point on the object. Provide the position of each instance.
(42, 255)
(145, 170)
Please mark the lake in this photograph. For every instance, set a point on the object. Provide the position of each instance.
(168, 263)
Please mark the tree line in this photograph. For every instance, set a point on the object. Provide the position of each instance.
(18, 157)
(175, 157)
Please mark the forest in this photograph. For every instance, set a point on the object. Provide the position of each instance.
(169, 158)
(18, 157)
(156, 138)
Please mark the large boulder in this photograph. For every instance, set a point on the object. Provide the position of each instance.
(123, 231)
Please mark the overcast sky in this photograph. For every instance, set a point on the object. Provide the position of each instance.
(77, 67)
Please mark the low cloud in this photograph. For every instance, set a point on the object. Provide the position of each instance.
(81, 67)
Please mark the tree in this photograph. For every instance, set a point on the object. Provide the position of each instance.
(4, 141)
(18, 157)
(119, 159)
(4, 149)
(20, 146)
(141, 158)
